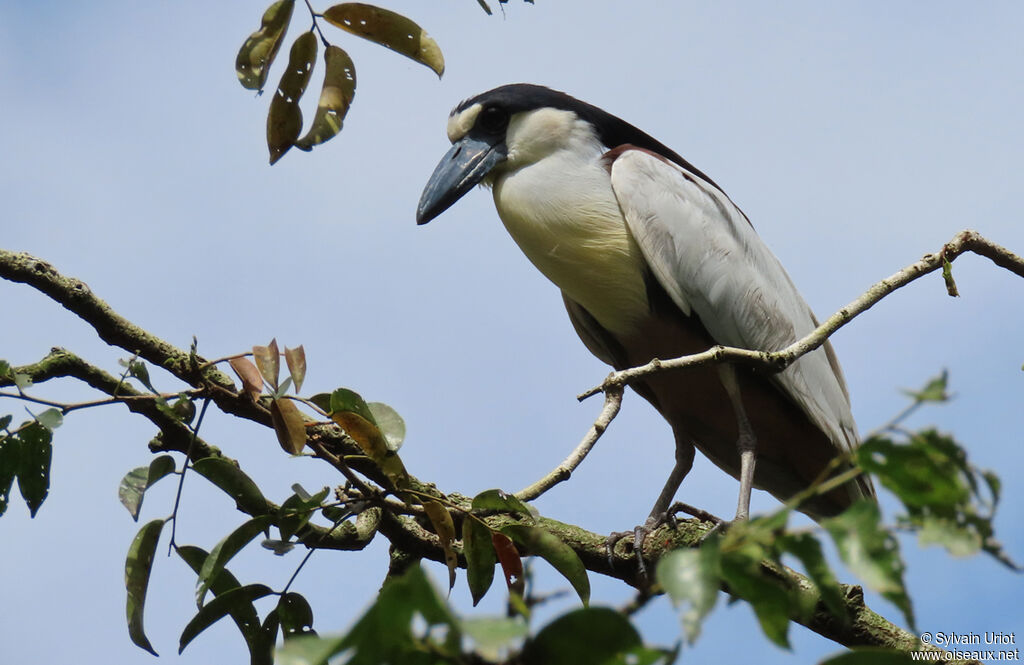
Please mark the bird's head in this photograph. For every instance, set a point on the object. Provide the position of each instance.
(500, 131)
(516, 125)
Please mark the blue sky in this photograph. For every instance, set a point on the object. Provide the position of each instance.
(856, 136)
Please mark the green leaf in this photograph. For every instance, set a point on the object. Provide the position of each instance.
(137, 567)
(871, 552)
(135, 483)
(10, 464)
(295, 614)
(772, 602)
(643, 655)
(278, 547)
(184, 409)
(947, 277)
(563, 558)
(257, 53)
(480, 557)
(51, 419)
(22, 381)
(308, 650)
(158, 468)
(994, 487)
(594, 635)
(296, 512)
(284, 121)
(872, 656)
(690, 578)
(444, 527)
(336, 97)
(289, 425)
(959, 540)
(35, 454)
(225, 550)
(353, 414)
(925, 472)
(337, 514)
(933, 391)
(807, 549)
(237, 600)
(138, 370)
(501, 502)
(344, 400)
(323, 401)
(494, 636)
(391, 425)
(267, 637)
(5, 421)
(948, 501)
(388, 29)
(233, 482)
(245, 617)
(401, 600)
(282, 389)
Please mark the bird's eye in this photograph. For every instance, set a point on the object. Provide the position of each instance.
(493, 120)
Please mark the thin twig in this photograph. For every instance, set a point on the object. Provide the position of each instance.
(339, 464)
(181, 480)
(316, 25)
(612, 404)
(74, 406)
(637, 603)
(893, 423)
(210, 363)
(312, 549)
(965, 241)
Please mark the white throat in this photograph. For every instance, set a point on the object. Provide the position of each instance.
(555, 198)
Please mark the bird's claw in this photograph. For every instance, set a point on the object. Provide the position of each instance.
(639, 533)
(720, 527)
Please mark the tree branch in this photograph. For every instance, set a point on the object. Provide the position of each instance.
(866, 628)
(612, 404)
(964, 241)
(174, 435)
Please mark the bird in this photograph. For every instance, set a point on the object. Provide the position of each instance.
(654, 260)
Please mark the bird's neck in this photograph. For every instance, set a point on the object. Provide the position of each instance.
(563, 214)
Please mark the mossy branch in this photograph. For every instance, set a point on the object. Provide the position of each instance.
(865, 628)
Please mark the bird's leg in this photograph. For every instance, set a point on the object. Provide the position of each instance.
(684, 462)
(746, 444)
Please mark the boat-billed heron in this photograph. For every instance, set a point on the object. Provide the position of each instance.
(655, 261)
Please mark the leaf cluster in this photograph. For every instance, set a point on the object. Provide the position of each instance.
(947, 500)
(284, 119)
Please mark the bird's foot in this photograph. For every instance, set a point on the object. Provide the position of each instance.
(718, 524)
(639, 534)
(719, 528)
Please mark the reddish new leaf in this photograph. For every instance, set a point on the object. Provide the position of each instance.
(268, 360)
(252, 380)
(296, 360)
(511, 563)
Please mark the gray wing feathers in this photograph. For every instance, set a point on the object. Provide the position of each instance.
(706, 255)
